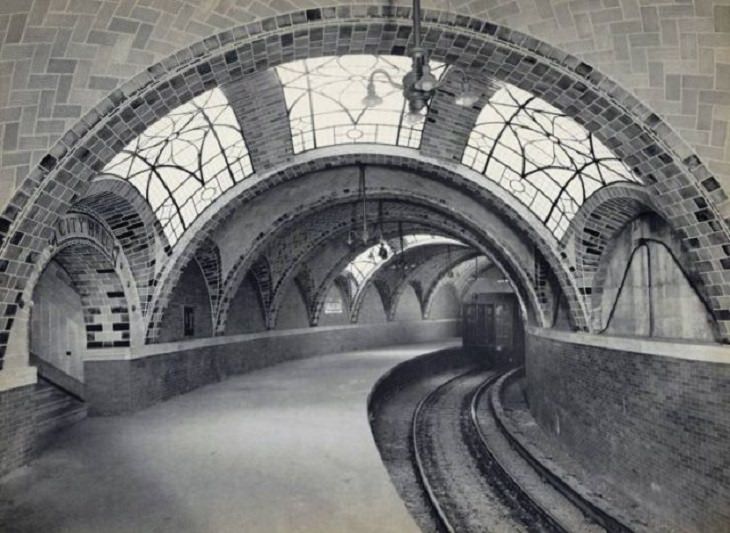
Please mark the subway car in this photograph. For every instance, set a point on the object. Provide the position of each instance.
(492, 324)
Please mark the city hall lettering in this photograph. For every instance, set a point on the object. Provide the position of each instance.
(78, 226)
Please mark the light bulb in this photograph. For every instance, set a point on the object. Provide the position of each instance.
(371, 99)
(413, 117)
(427, 82)
(383, 252)
(467, 97)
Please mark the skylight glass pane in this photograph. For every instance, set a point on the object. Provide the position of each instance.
(324, 99)
(366, 263)
(360, 269)
(185, 160)
(544, 158)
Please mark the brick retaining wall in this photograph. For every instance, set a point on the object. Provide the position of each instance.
(121, 386)
(657, 426)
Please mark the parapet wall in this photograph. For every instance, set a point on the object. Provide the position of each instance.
(651, 417)
(122, 382)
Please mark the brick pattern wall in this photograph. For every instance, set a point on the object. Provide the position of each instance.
(105, 307)
(648, 145)
(445, 116)
(134, 235)
(261, 110)
(260, 275)
(657, 427)
(191, 292)
(327, 261)
(114, 387)
(17, 427)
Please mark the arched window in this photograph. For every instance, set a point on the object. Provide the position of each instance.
(324, 100)
(541, 156)
(185, 160)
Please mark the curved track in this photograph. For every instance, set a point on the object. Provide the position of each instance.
(467, 487)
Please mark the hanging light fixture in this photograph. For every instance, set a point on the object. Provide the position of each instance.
(363, 236)
(383, 251)
(450, 273)
(419, 84)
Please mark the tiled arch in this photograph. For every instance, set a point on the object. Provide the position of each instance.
(440, 277)
(63, 172)
(463, 273)
(105, 284)
(598, 221)
(406, 161)
(301, 236)
(94, 50)
(313, 239)
(333, 272)
(419, 254)
(134, 225)
(105, 307)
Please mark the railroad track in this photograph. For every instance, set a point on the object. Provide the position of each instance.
(466, 485)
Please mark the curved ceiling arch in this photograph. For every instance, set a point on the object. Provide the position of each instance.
(85, 259)
(458, 193)
(182, 162)
(444, 275)
(397, 271)
(345, 256)
(102, 133)
(467, 273)
(311, 234)
(246, 254)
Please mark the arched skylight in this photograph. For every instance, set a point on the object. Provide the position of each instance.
(364, 265)
(324, 100)
(185, 160)
(425, 238)
(541, 156)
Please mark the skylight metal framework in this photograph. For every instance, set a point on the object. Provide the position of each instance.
(185, 160)
(324, 99)
(541, 156)
(362, 268)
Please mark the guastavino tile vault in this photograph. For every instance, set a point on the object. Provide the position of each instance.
(299, 266)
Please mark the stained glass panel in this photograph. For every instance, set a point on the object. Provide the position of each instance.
(324, 99)
(541, 156)
(185, 160)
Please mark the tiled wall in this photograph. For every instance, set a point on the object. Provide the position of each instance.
(121, 386)
(192, 291)
(16, 427)
(656, 426)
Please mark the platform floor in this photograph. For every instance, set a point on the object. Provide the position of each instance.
(287, 448)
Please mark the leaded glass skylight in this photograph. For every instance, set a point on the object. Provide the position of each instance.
(541, 156)
(364, 265)
(185, 160)
(324, 99)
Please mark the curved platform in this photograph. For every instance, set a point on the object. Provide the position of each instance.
(286, 448)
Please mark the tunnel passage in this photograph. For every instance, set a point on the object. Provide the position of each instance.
(237, 165)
